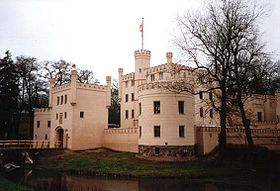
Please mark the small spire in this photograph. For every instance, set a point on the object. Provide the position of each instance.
(141, 29)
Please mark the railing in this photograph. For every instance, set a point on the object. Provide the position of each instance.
(24, 144)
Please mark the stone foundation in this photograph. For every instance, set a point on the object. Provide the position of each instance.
(167, 151)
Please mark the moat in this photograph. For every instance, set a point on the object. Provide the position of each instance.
(36, 181)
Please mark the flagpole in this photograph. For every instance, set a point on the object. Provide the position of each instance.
(142, 33)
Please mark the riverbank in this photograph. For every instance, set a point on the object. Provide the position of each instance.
(101, 162)
(258, 167)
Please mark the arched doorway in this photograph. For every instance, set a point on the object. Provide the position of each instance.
(59, 137)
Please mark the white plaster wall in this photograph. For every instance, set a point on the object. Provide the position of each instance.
(169, 118)
(43, 115)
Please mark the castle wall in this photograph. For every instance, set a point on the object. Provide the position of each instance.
(41, 129)
(121, 139)
(87, 131)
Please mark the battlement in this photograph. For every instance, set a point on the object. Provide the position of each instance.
(164, 84)
(61, 87)
(91, 86)
(42, 110)
(129, 76)
(142, 53)
(239, 130)
(121, 131)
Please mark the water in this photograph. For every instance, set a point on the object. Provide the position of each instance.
(38, 181)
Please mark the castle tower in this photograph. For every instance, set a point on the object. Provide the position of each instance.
(108, 83)
(142, 62)
(73, 84)
(169, 57)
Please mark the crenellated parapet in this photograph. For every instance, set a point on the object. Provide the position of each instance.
(42, 110)
(62, 87)
(142, 53)
(121, 131)
(95, 87)
(130, 76)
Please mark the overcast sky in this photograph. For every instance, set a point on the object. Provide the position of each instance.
(102, 35)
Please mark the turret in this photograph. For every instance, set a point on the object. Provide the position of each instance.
(169, 57)
(108, 83)
(51, 85)
(73, 84)
(142, 61)
(120, 70)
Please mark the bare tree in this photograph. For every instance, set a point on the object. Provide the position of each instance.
(87, 76)
(214, 41)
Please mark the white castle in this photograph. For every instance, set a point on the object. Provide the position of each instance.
(154, 120)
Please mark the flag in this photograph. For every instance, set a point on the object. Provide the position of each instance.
(141, 28)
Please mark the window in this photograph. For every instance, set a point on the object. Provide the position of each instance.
(56, 116)
(200, 95)
(156, 131)
(156, 150)
(38, 124)
(140, 70)
(160, 76)
(126, 97)
(140, 108)
(126, 114)
(61, 100)
(126, 84)
(82, 114)
(140, 131)
(181, 131)
(152, 77)
(211, 113)
(156, 107)
(132, 113)
(57, 99)
(201, 112)
(65, 115)
(210, 96)
(46, 136)
(65, 99)
(132, 82)
(132, 97)
(259, 116)
(35, 137)
(181, 107)
(49, 124)
(60, 118)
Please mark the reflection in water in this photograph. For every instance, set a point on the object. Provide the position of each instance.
(72, 183)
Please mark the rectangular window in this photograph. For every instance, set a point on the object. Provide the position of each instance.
(200, 95)
(132, 97)
(140, 108)
(57, 99)
(56, 116)
(211, 113)
(132, 82)
(140, 131)
(126, 114)
(181, 107)
(160, 76)
(210, 96)
(140, 70)
(61, 100)
(126, 97)
(152, 77)
(132, 113)
(82, 114)
(156, 107)
(65, 115)
(181, 131)
(38, 124)
(201, 112)
(259, 116)
(49, 124)
(46, 136)
(156, 131)
(65, 99)
(60, 118)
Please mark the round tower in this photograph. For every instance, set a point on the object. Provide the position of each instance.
(166, 122)
(142, 61)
